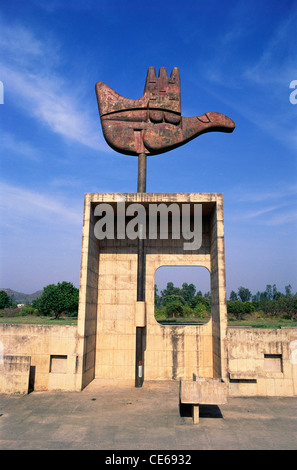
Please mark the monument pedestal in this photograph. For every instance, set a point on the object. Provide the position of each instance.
(108, 309)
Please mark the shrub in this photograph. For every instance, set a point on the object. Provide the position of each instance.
(235, 307)
(10, 312)
(173, 309)
(199, 299)
(201, 311)
(29, 310)
(248, 307)
(238, 308)
(187, 311)
(160, 312)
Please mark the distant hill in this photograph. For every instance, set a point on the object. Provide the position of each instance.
(21, 298)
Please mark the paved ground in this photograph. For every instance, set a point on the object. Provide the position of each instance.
(121, 418)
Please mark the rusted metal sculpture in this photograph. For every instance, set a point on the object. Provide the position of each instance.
(153, 124)
(149, 126)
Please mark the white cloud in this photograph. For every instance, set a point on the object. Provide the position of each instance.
(261, 212)
(286, 217)
(53, 5)
(277, 207)
(276, 65)
(282, 192)
(19, 206)
(21, 148)
(261, 84)
(28, 71)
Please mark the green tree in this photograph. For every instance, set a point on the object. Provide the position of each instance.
(58, 299)
(5, 300)
(157, 297)
(244, 294)
(170, 290)
(268, 292)
(174, 307)
(288, 290)
(200, 299)
(256, 297)
(233, 295)
(173, 298)
(207, 295)
(188, 291)
(275, 293)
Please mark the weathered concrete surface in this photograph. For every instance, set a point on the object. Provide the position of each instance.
(203, 391)
(108, 294)
(105, 416)
(14, 374)
(153, 124)
(251, 361)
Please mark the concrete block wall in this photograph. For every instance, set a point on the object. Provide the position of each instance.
(88, 297)
(218, 289)
(14, 374)
(262, 362)
(42, 347)
(115, 340)
(174, 352)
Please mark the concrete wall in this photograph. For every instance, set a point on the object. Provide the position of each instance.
(14, 374)
(262, 362)
(88, 297)
(46, 356)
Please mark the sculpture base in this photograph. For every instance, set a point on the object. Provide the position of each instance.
(108, 310)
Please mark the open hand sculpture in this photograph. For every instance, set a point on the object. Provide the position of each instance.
(153, 124)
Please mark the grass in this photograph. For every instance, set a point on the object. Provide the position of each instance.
(252, 321)
(265, 322)
(35, 320)
(182, 321)
(249, 320)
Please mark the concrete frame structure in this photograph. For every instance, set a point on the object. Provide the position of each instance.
(108, 311)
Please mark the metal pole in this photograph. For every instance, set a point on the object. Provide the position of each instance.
(141, 188)
(141, 183)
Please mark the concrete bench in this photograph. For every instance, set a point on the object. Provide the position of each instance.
(202, 391)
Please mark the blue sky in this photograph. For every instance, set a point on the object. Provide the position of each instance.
(234, 57)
